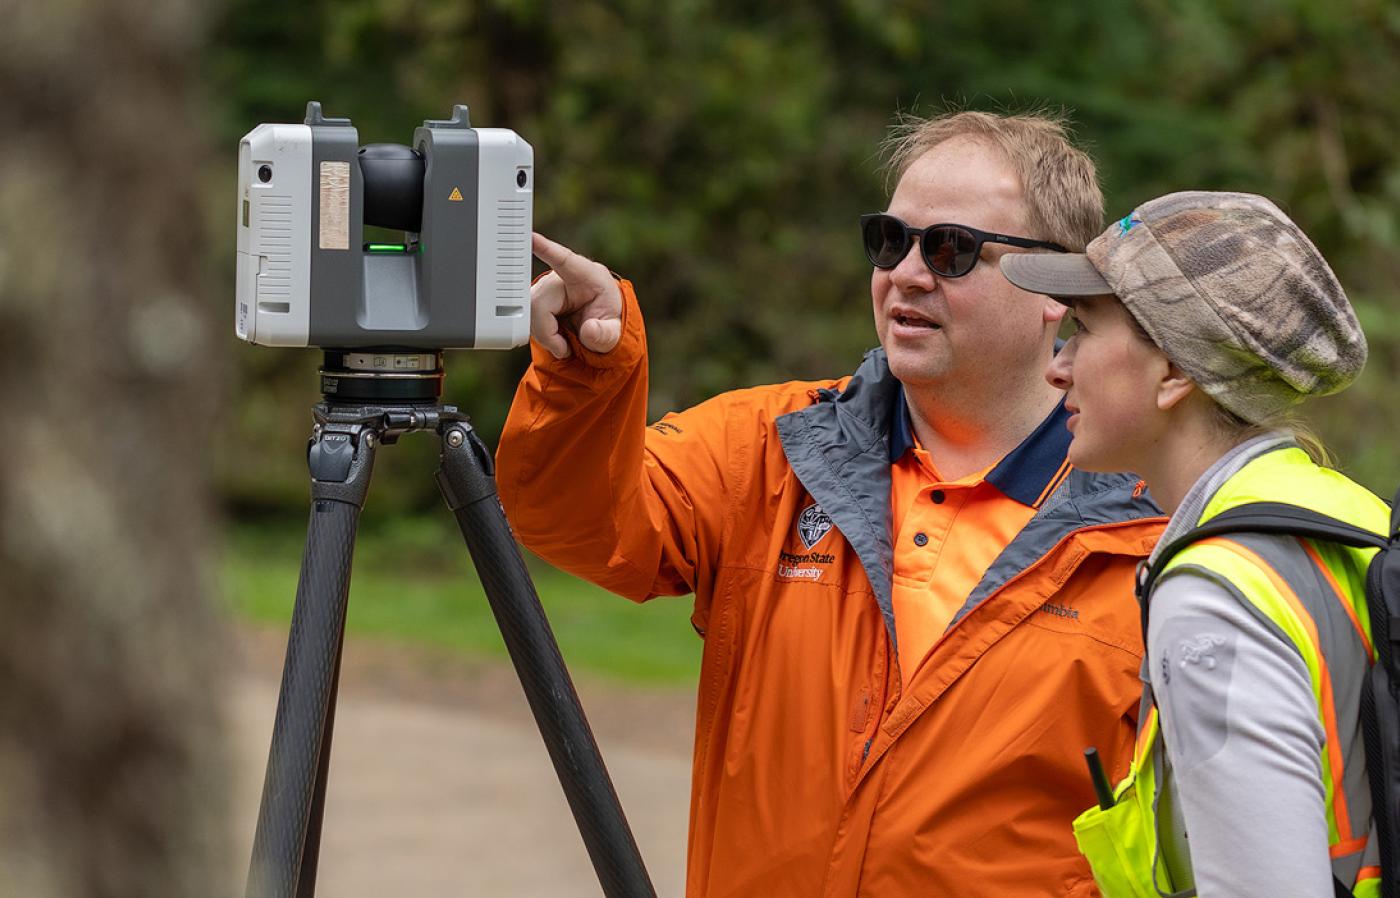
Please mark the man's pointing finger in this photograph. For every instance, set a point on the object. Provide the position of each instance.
(550, 253)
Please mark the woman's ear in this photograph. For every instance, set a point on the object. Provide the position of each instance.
(1173, 387)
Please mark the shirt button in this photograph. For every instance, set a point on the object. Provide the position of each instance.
(921, 539)
(937, 497)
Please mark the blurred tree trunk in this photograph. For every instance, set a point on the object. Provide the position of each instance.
(111, 756)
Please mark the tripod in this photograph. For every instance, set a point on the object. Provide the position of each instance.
(372, 399)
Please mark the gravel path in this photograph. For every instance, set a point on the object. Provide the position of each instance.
(440, 785)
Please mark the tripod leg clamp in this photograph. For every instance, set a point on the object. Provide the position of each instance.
(467, 472)
(329, 457)
(341, 459)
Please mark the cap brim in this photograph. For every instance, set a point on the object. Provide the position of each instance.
(1057, 275)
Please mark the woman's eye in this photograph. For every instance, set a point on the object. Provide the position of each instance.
(1078, 326)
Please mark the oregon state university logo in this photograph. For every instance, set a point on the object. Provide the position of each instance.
(813, 524)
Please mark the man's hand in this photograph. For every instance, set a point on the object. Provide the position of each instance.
(580, 294)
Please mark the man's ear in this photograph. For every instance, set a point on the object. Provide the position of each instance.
(1054, 311)
(1173, 387)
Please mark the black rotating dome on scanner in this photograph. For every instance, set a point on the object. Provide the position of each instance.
(393, 198)
(393, 177)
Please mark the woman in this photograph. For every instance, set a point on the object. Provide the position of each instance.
(1201, 320)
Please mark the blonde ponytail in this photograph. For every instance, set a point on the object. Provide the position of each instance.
(1238, 430)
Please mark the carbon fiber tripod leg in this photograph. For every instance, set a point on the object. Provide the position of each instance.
(341, 458)
(470, 490)
(311, 849)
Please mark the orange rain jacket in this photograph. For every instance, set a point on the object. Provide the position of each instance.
(817, 772)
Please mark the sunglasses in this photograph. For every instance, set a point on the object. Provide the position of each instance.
(949, 250)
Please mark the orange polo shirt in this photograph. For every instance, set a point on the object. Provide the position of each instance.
(948, 532)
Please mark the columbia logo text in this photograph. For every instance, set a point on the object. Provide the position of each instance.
(1060, 611)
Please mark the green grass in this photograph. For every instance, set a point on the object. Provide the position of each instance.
(413, 583)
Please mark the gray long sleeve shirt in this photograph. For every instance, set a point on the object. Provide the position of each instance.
(1242, 731)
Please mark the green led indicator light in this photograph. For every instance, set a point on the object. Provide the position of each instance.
(386, 248)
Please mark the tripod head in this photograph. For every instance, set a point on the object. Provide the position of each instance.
(380, 375)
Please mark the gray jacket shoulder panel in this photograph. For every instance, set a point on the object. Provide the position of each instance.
(1083, 500)
(839, 450)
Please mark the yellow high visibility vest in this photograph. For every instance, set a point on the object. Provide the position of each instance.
(1315, 593)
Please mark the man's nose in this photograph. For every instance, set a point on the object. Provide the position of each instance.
(912, 272)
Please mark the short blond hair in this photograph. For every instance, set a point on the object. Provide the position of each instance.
(1059, 182)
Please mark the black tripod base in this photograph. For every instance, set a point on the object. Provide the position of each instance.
(341, 457)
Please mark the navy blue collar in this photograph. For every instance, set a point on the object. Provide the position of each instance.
(1024, 473)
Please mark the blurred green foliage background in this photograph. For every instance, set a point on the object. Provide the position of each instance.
(719, 153)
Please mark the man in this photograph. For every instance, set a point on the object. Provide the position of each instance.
(916, 617)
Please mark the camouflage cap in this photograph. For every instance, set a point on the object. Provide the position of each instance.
(1228, 288)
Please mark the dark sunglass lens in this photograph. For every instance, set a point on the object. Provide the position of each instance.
(885, 241)
(950, 251)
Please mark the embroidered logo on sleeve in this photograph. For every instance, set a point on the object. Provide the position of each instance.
(813, 524)
(1201, 650)
(1196, 673)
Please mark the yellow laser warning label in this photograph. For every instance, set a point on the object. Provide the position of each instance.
(455, 196)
